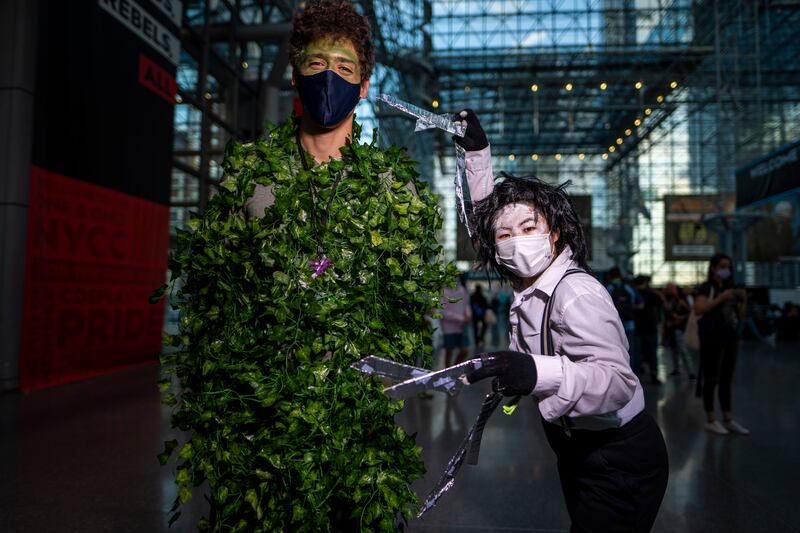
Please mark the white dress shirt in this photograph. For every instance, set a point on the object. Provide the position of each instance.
(588, 380)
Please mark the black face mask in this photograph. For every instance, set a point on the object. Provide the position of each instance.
(327, 97)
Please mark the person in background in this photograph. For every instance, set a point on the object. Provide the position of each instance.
(788, 322)
(647, 318)
(493, 319)
(626, 301)
(479, 307)
(456, 314)
(504, 305)
(716, 300)
(676, 314)
(747, 312)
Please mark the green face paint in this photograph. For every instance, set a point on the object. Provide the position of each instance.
(336, 56)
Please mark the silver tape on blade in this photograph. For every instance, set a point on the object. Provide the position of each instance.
(387, 368)
(471, 444)
(460, 181)
(426, 119)
(445, 380)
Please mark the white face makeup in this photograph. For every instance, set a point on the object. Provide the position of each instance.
(518, 220)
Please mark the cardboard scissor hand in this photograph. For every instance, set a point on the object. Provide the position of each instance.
(413, 380)
(514, 373)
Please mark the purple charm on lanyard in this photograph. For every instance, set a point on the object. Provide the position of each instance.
(320, 266)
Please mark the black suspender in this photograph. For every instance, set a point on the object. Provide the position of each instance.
(545, 335)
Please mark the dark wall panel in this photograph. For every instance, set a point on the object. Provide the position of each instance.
(94, 120)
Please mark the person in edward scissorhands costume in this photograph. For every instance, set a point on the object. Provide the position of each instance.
(568, 349)
(315, 252)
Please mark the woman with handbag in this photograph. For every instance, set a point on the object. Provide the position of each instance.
(715, 304)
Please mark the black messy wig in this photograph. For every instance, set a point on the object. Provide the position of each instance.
(551, 201)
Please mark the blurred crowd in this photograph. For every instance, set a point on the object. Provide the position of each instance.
(475, 319)
(653, 316)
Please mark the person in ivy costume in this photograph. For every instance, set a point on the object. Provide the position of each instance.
(317, 251)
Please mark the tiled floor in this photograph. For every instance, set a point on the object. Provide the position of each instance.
(82, 458)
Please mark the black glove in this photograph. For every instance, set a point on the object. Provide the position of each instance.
(474, 138)
(515, 371)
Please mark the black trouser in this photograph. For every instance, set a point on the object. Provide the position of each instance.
(648, 351)
(719, 361)
(479, 329)
(613, 480)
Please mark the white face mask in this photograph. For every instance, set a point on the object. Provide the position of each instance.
(525, 256)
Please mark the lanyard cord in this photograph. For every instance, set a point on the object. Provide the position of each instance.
(317, 224)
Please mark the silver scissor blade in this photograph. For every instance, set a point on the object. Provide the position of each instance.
(447, 380)
(427, 119)
(386, 368)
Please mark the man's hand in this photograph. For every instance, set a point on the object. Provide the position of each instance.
(515, 371)
(474, 138)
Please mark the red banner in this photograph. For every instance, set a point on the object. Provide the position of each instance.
(93, 257)
(157, 79)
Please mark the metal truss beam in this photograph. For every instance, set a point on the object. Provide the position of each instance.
(218, 67)
(260, 33)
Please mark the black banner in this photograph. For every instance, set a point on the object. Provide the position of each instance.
(776, 173)
(98, 117)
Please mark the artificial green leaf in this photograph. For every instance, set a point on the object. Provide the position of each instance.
(169, 446)
(157, 294)
(184, 494)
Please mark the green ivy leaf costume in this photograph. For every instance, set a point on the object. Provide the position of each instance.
(287, 436)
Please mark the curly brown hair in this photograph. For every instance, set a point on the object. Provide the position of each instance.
(334, 20)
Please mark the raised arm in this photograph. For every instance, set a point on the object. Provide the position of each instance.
(480, 175)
